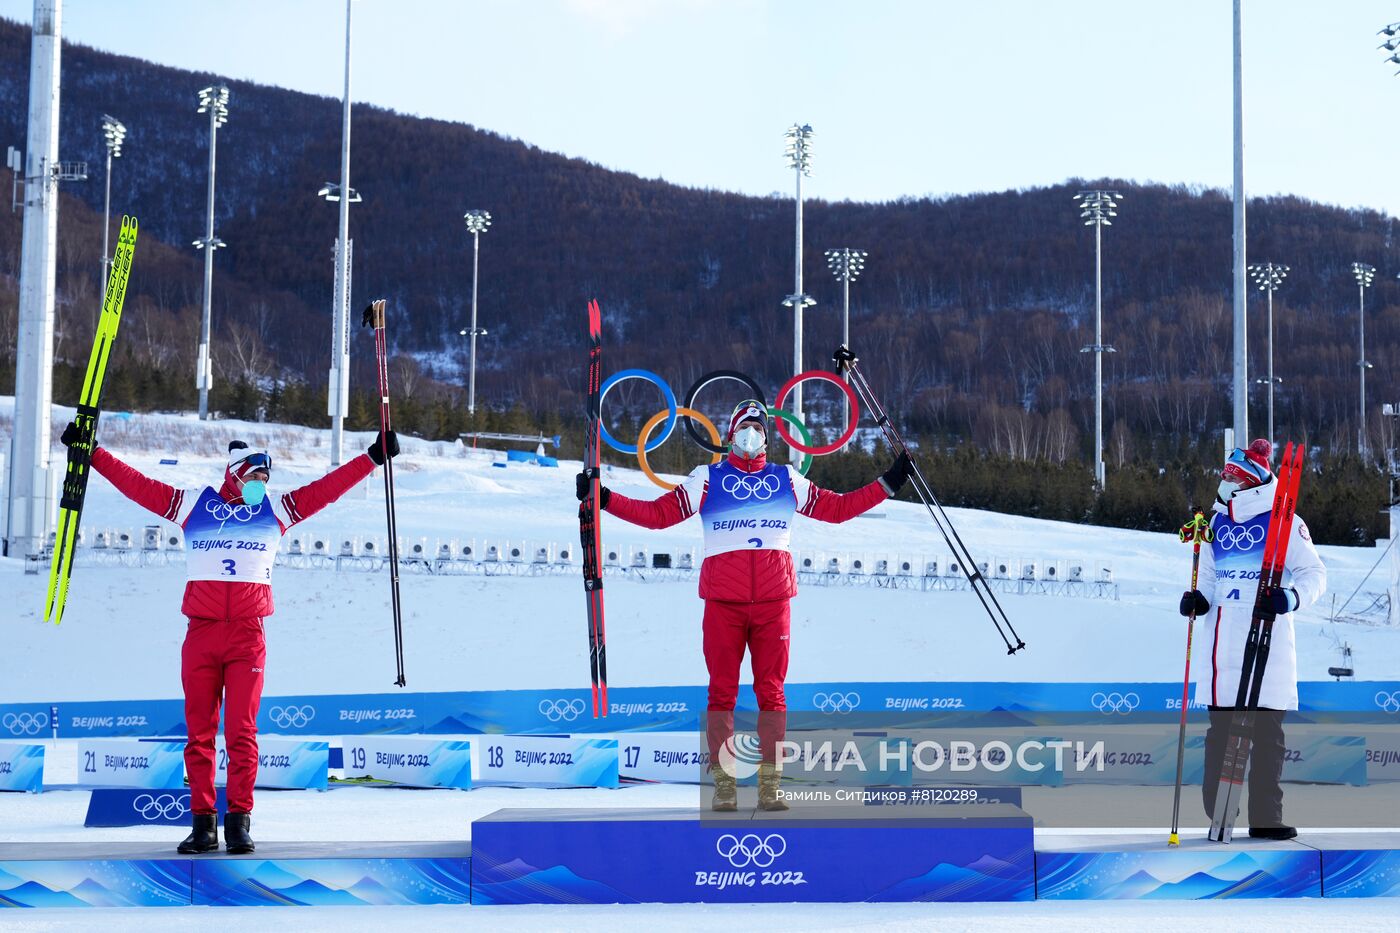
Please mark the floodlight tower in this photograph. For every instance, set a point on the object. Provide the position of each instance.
(1364, 274)
(114, 133)
(846, 264)
(1096, 207)
(799, 157)
(477, 222)
(338, 397)
(213, 101)
(1269, 276)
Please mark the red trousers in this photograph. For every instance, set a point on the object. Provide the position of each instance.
(221, 663)
(763, 629)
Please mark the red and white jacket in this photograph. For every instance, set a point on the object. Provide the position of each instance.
(221, 599)
(763, 571)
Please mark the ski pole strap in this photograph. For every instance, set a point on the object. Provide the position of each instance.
(1197, 529)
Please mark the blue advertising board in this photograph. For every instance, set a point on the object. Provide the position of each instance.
(649, 709)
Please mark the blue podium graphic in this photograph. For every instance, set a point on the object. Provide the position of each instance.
(1141, 867)
(824, 854)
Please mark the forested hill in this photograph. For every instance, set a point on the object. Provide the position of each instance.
(972, 310)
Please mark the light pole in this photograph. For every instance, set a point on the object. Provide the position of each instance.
(1240, 289)
(338, 394)
(799, 156)
(846, 264)
(1096, 207)
(477, 222)
(213, 101)
(1268, 276)
(1364, 274)
(115, 133)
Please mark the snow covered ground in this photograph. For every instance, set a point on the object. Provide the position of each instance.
(331, 634)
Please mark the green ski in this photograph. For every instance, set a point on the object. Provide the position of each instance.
(70, 506)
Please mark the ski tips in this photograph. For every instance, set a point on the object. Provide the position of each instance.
(374, 314)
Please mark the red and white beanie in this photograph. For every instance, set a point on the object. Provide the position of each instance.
(750, 409)
(243, 460)
(1250, 467)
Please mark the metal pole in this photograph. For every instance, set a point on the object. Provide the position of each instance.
(204, 363)
(106, 233)
(1098, 356)
(1271, 357)
(796, 405)
(1361, 366)
(846, 329)
(28, 514)
(471, 378)
(1241, 329)
(340, 326)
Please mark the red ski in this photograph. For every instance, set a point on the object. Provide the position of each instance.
(590, 528)
(1256, 649)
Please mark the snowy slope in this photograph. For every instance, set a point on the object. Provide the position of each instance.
(331, 633)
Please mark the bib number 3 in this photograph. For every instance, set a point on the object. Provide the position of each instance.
(230, 568)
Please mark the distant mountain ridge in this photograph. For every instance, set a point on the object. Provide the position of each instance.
(971, 313)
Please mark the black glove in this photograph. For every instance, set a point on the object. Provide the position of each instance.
(386, 441)
(1193, 603)
(1276, 601)
(583, 486)
(71, 435)
(897, 475)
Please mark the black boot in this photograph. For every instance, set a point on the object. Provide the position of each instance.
(1272, 832)
(203, 838)
(236, 838)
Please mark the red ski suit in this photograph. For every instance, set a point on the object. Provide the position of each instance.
(224, 653)
(747, 589)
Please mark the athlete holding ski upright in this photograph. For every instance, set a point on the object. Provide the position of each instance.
(1233, 561)
(231, 538)
(748, 579)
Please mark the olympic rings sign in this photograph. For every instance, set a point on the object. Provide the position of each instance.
(714, 443)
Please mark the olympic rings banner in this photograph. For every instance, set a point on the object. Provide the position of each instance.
(649, 709)
(21, 767)
(125, 806)
(687, 413)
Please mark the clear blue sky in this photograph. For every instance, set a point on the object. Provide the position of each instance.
(907, 97)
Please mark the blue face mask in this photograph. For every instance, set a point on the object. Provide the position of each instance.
(254, 491)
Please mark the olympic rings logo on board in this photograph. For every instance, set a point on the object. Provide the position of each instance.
(758, 488)
(1239, 537)
(836, 702)
(1120, 703)
(750, 849)
(223, 511)
(291, 717)
(25, 723)
(164, 807)
(565, 710)
(688, 415)
(1388, 702)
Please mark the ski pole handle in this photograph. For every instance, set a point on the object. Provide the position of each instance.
(1196, 530)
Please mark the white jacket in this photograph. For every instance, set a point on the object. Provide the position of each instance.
(1229, 580)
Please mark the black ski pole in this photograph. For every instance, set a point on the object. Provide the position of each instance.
(847, 363)
(374, 317)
